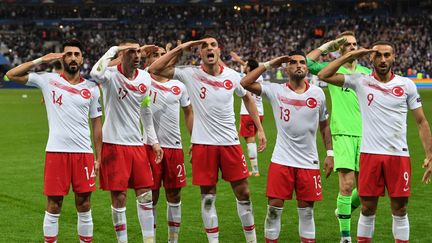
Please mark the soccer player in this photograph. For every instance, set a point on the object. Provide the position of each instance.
(384, 99)
(214, 137)
(247, 127)
(124, 159)
(298, 109)
(345, 125)
(166, 98)
(70, 101)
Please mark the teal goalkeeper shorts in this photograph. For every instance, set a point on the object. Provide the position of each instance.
(346, 152)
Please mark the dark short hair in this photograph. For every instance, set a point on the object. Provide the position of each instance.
(345, 33)
(128, 41)
(73, 42)
(297, 52)
(252, 64)
(384, 42)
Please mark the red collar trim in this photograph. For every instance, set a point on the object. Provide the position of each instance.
(374, 75)
(119, 68)
(221, 68)
(306, 82)
(64, 77)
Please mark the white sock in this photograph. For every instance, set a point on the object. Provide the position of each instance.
(306, 224)
(154, 220)
(252, 152)
(365, 228)
(272, 223)
(119, 222)
(50, 227)
(209, 217)
(146, 219)
(244, 210)
(85, 227)
(401, 227)
(174, 220)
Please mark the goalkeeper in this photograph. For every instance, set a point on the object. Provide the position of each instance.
(346, 128)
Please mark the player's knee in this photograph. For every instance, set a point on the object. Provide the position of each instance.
(347, 188)
(145, 197)
(54, 207)
(399, 210)
(83, 206)
(368, 210)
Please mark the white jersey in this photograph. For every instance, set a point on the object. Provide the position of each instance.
(297, 117)
(166, 99)
(68, 108)
(212, 101)
(383, 108)
(122, 101)
(257, 99)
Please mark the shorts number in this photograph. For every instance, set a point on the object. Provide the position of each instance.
(345, 89)
(284, 114)
(181, 170)
(317, 181)
(406, 178)
(203, 92)
(122, 93)
(91, 175)
(370, 98)
(57, 100)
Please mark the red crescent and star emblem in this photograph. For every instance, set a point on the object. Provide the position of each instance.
(227, 84)
(398, 91)
(85, 93)
(142, 88)
(311, 102)
(175, 90)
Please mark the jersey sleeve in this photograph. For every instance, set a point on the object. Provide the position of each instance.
(314, 66)
(184, 98)
(352, 81)
(413, 97)
(95, 104)
(323, 114)
(35, 80)
(180, 73)
(100, 71)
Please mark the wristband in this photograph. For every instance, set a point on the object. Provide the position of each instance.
(330, 153)
(267, 65)
(37, 61)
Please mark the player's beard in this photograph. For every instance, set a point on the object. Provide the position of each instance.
(382, 71)
(73, 70)
(297, 76)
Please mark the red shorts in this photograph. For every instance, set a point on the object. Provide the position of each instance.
(171, 170)
(207, 159)
(378, 171)
(247, 126)
(124, 167)
(282, 180)
(63, 168)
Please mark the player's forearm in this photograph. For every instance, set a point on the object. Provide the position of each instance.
(251, 77)
(188, 113)
(164, 61)
(19, 74)
(99, 68)
(331, 69)
(97, 137)
(314, 55)
(425, 136)
(326, 135)
(147, 119)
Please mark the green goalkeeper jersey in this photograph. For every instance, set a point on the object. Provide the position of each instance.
(345, 117)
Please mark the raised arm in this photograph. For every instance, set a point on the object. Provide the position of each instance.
(426, 139)
(248, 81)
(236, 58)
(327, 140)
(329, 75)
(253, 112)
(19, 74)
(327, 47)
(161, 66)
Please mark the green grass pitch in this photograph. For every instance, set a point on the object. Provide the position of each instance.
(23, 138)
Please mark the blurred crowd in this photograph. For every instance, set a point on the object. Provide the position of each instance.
(260, 32)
